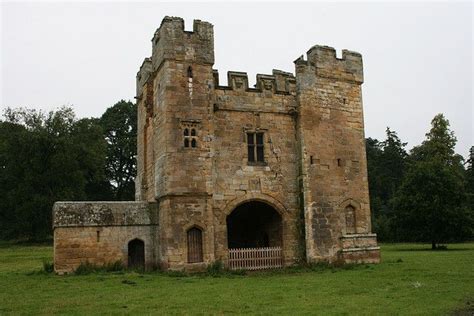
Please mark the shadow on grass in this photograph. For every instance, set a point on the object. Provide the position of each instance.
(466, 309)
(26, 243)
(214, 270)
(425, 247)
(431, 250)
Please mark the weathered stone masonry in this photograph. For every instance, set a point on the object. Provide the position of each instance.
(281, 164)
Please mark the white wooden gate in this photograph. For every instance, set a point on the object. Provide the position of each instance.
(255, 258)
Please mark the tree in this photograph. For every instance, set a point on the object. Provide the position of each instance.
(430, 203)
(386, 167)
(470, 179)
(392, 164)
(45, 157)
(119, 124)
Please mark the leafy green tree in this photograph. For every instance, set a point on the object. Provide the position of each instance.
(45, 157)
(430, 203)
(119, 124)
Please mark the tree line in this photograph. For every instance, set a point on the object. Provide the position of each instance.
(425, 195)
(54, 156)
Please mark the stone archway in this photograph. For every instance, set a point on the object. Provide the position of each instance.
(254, 224)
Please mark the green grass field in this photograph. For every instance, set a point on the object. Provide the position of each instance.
(411, 280)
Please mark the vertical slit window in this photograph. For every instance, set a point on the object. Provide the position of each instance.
(260, 156)
(186, 142)
(193, 143)
(251, 147)
(193, 132)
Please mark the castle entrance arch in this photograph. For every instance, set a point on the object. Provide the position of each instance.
(254, 236)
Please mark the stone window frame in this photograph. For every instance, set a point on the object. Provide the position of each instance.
(347, 207)
(190, 134)
(255, 132)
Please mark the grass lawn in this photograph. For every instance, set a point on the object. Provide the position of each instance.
(411, 280)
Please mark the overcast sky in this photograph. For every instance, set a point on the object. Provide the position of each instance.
(417, 57)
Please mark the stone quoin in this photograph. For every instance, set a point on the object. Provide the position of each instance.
(281, 164)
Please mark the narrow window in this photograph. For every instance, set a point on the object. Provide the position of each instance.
(260, 147)
(311, 159)
(251, 147)
(190, 72)
(350, 220)
(193, 132)
(339, 162)
(186, 132)
(194, 237)
(193, 143)
(186, 142)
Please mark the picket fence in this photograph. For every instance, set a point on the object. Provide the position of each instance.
(255, 258)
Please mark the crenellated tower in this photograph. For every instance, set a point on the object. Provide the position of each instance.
(174, 161)
(173, 89)
(333, 176)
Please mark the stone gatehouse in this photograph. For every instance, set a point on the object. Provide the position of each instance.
(281, 164)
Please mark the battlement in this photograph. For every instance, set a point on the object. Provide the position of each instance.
(143, 75)
(171, 41)
(324, 59)
(279, 82)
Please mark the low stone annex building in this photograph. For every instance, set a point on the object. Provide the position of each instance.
(279, 168)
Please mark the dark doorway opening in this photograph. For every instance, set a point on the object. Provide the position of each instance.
(136, 254)
(254, 224)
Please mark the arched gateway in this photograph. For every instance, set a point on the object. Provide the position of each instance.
(254, 236)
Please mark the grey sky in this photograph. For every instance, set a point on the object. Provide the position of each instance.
(417, 57)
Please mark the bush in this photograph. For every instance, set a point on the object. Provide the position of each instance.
(216, 268)
(48, 267)
(88, 268)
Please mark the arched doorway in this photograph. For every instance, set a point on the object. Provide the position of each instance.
(254, 224)
(254, 237)
(136, 254)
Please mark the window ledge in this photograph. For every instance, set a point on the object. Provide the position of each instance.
(257, 163)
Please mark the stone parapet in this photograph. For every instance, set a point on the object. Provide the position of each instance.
(279, 82)
(327, 65)
(171, 41)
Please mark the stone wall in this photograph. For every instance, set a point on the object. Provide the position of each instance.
(99, 232)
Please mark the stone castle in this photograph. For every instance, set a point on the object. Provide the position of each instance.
(281, 165)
